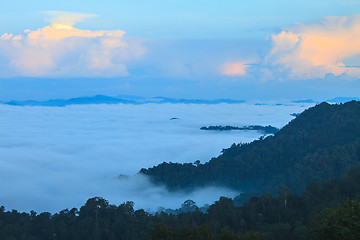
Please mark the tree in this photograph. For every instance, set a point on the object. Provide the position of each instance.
(340, 223)
(188, 206)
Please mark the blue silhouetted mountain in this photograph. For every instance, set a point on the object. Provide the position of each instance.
(124, 99)
(98, 99)
(195, 101)
(342, 99)
(304, 101)
(323, 142)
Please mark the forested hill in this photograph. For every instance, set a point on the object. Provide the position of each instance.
(323, 142)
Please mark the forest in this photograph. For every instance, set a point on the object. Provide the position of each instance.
(330, 210)
(323, 142)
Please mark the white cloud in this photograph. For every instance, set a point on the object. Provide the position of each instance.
(313, 50)
(60, 50)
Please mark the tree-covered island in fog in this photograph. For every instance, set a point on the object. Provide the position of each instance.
(264, 129)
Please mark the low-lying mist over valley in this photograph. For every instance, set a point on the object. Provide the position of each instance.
(57, 157)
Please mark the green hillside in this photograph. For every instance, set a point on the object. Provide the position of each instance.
(323, 142)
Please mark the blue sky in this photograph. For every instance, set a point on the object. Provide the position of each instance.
(177, 19)
(155, 19)
(257, 49)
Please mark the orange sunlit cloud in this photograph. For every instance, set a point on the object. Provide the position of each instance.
(314, 50)
(61, 31)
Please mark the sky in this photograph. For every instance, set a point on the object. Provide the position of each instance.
(190, 49)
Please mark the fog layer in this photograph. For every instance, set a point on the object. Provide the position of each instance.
(53, 158)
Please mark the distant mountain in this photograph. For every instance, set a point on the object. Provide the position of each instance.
(304, 101)
(124, 99)
(342, 99)
(129, 99)
(195, 101)
(333, 100)
(98, 99)
(323, 142)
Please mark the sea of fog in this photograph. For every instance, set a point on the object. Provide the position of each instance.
(52, 158)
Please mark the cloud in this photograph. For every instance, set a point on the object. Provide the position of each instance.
(67, 18)
(57, 157)
(234, 68)
(61, 50)
(316, 49)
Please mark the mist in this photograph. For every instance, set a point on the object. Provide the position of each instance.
(54, 158)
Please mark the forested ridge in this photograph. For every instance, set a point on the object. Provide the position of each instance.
(323, 142)
(327, 211)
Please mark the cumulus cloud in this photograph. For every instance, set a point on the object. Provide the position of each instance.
(63, 50)
(316, 49)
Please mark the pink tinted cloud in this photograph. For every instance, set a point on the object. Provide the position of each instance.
(316, 49)
(234, 69)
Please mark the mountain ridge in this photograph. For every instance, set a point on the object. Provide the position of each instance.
(323, 142)
(129, 99)
(123, 99)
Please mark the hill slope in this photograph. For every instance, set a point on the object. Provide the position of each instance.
(322, 143)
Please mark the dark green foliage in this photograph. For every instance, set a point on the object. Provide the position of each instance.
(286, 216)
(162, 232)
(97, 219)
(321, 143)
(339, 223)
